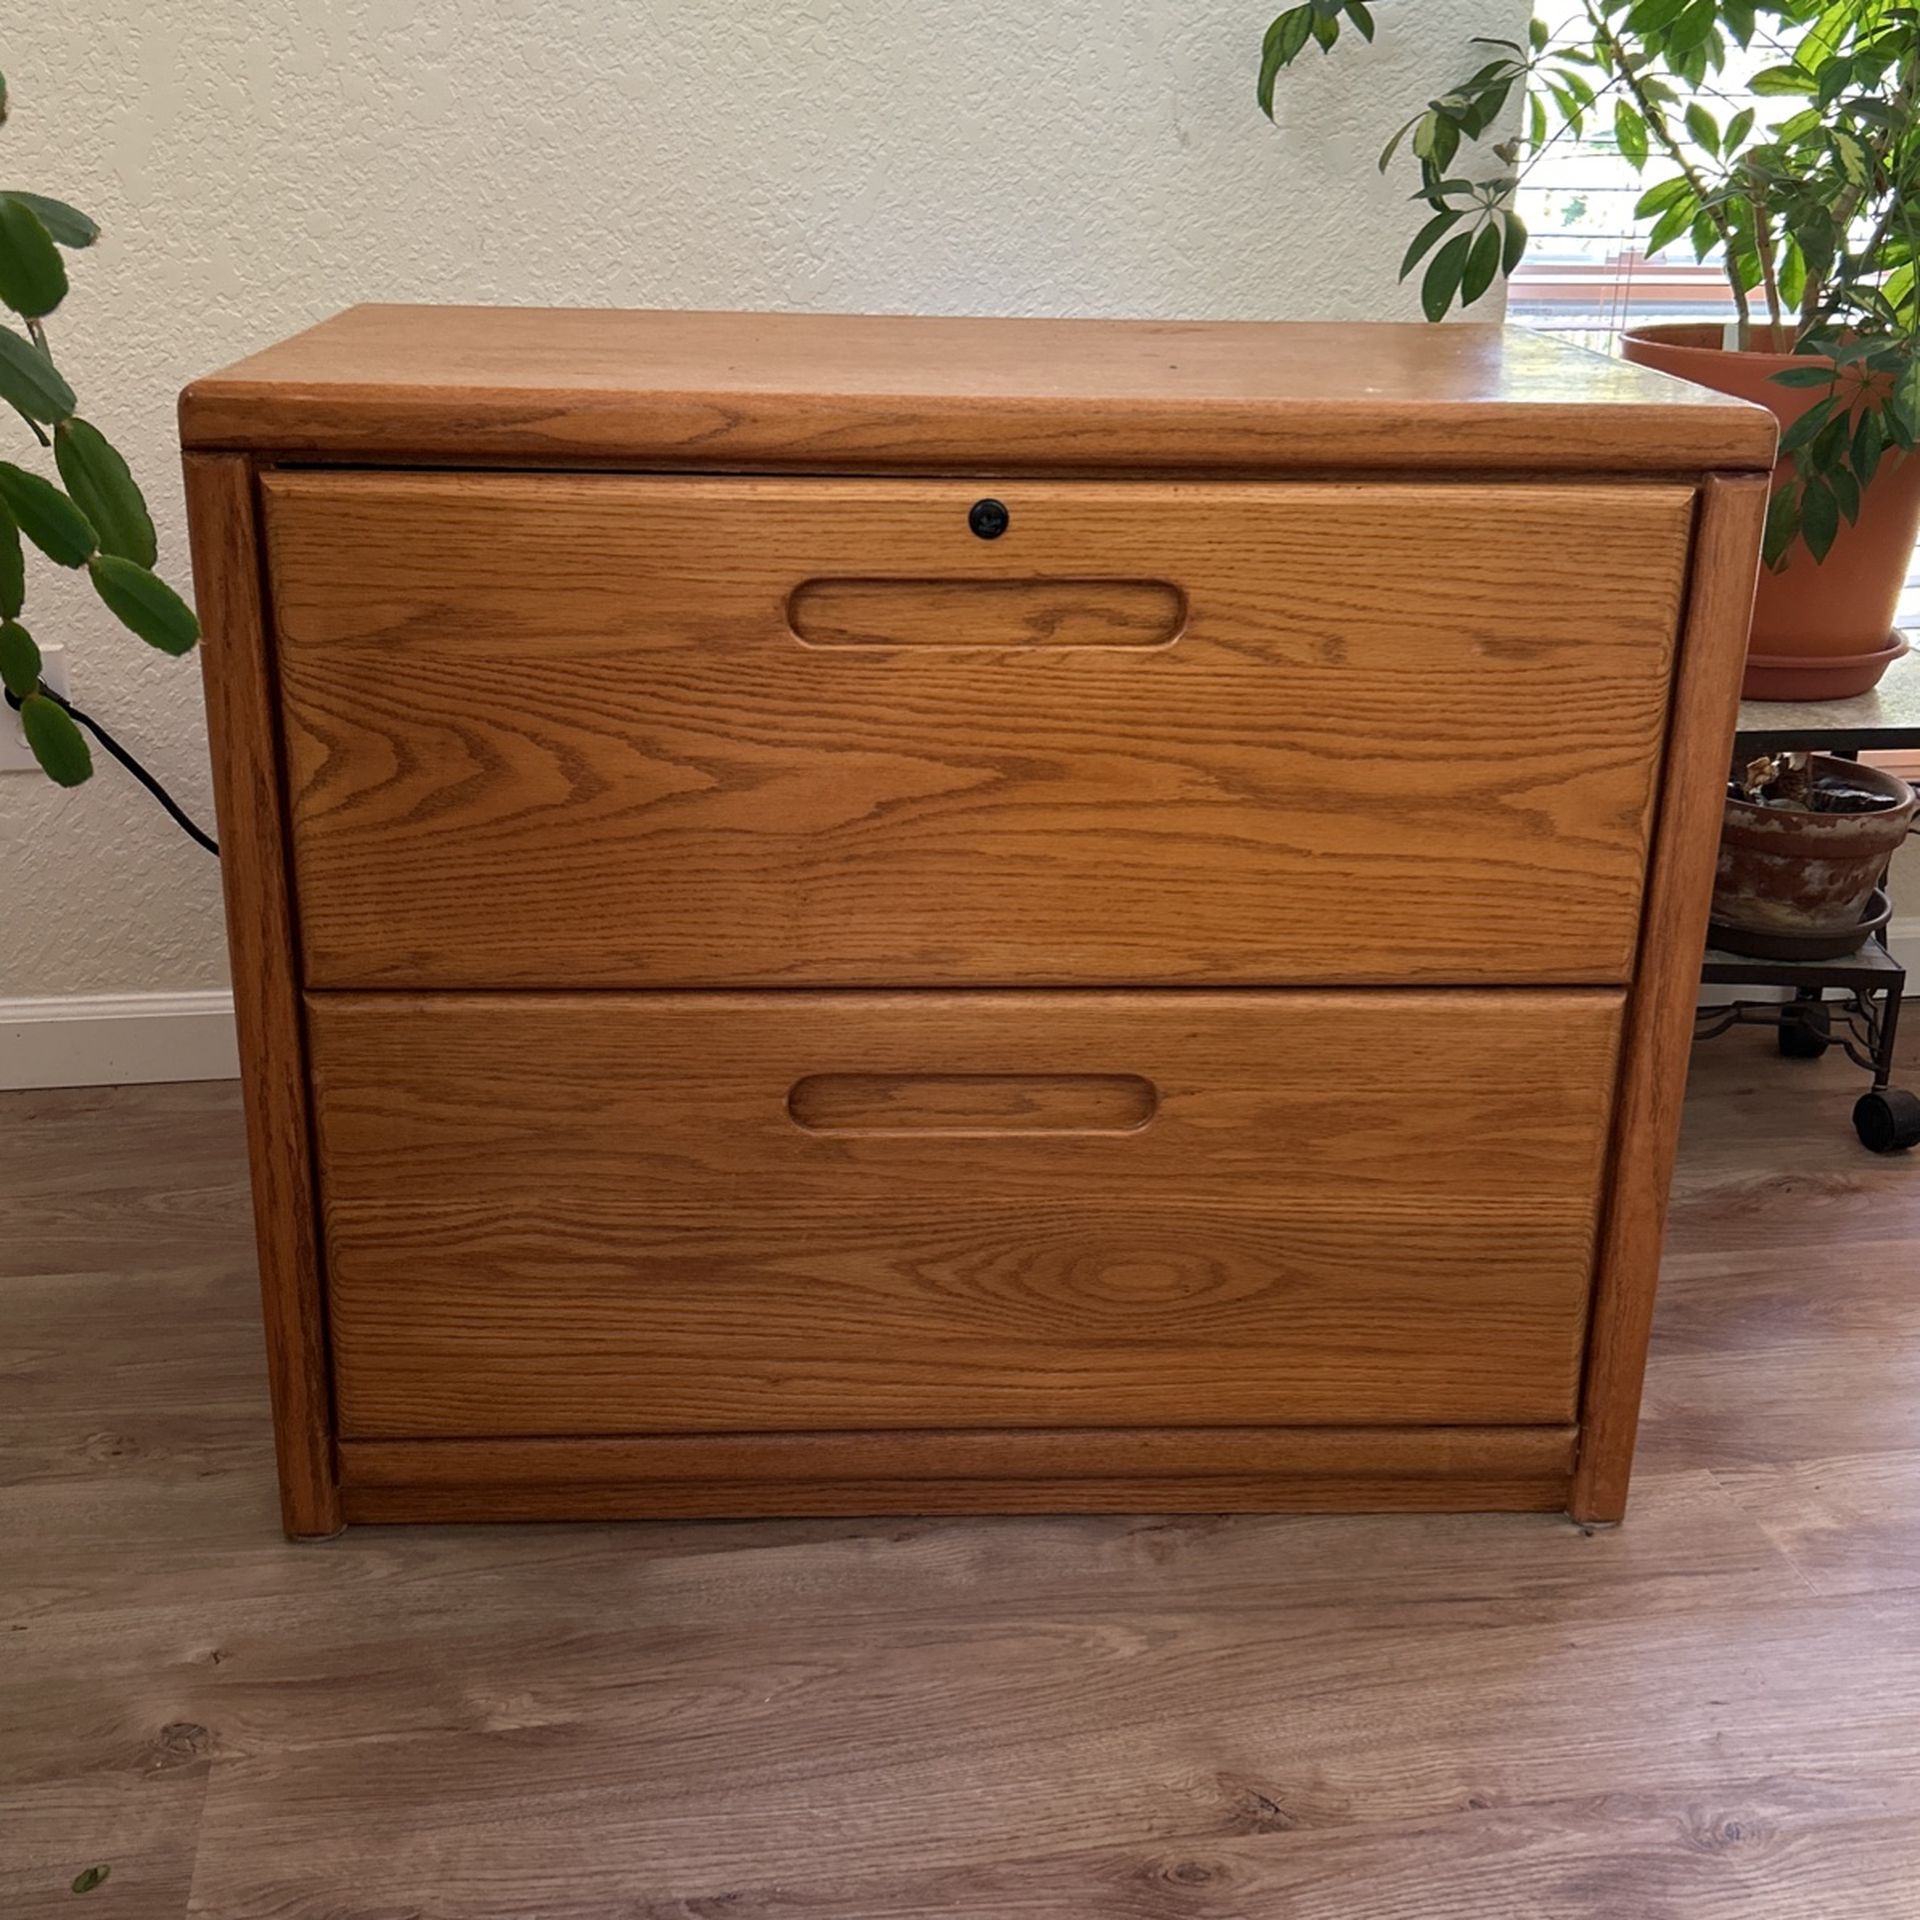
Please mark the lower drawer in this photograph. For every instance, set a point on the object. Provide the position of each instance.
(576, 1214)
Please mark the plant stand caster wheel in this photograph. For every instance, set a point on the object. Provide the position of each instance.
(1806, 1030)
(1887, 1120)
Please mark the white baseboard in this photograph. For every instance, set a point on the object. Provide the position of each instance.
(116, 1039)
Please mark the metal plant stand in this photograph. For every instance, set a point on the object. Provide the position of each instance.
(1863, 1017)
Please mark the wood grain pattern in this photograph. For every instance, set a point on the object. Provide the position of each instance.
(1116, 1718)
(1223, 1470)
(867, 393)
(1660, 1019)
(243, 722)
(560, 1214)
(554, 731)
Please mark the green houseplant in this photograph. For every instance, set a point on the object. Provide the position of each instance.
(1807, 194)
(93, 515)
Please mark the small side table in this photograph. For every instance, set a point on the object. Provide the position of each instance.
(1865, 1019)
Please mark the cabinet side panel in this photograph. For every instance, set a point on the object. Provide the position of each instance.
(241, 720)
(1660, 1012)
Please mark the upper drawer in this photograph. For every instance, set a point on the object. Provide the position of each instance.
(555, 729)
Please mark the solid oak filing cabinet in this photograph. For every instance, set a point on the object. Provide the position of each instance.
(871, 915)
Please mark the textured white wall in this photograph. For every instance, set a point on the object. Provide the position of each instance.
(259, 163)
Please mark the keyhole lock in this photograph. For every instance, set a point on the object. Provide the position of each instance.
(988, 518)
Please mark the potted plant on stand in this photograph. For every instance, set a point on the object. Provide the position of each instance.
(1808, 197)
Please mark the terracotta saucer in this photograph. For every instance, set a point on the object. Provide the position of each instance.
(1808, 676)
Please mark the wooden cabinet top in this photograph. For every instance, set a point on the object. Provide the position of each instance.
(880, 393)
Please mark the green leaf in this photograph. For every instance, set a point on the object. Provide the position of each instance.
(1846, 490)
(68, 225)
(13, 568)
(1516, 243)
(1737, 130)
(1444, 274)
(1793, 274)
(144, 603)
(1808, 425)
(1902, 411)
(1424, 240)
(30, 381)
(1482, 264)
(1805, 377)
(1819, 519)
(93, 1876)
(1783, 525)
(33, 277)
(1285, 39)
(1436, 140)
(100, 485)
(1630, 134)
(46, 516)
(1704, 128)
(19, 659)
(1855, 161)
(1662, 195)
(1393, 146)
(1670, 226)
(1361, 16)
(63, 753)
(1869, 443)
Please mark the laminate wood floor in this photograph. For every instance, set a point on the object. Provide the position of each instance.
(1711, 1712)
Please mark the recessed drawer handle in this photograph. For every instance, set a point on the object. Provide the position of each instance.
(972, 1103)
(987, 613)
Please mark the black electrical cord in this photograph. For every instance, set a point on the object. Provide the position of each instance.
(133, 766)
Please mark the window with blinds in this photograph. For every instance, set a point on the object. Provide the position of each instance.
(1586, 275)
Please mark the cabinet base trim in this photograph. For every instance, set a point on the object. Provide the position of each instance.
(1157, 1470)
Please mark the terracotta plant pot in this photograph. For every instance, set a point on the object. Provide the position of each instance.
(1843, 608)
(1786, 872)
